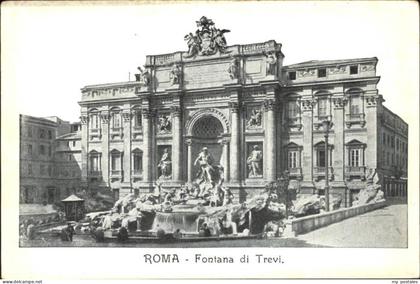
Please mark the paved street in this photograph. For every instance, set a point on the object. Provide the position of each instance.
(385, 227)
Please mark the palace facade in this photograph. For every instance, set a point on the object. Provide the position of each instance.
(256, 117)
(50, 159)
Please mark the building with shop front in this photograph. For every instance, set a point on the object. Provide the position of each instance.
(257, 118)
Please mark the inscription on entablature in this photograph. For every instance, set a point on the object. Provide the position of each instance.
(207, 73)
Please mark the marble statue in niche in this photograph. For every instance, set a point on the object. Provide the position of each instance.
(165, 165)
(254, 162)
(205, 161)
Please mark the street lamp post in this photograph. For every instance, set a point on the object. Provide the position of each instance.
(327, 125)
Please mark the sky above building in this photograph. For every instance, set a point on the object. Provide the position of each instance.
(49, 52)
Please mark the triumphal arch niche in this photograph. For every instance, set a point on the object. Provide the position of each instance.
(211, 113)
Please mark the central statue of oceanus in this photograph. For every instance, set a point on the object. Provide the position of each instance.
(207, 40)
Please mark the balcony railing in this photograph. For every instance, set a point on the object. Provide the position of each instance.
(359, 171)
(320, 172)
(137, 174)
(319, 119)
(295, 172)
(294, 122)
(95, 132)
(116, 129)
(116, 173)
(95, 173)
(355, 118)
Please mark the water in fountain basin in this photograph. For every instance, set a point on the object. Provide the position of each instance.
(169, 222)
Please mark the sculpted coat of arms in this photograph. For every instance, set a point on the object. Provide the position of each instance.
(207, 40)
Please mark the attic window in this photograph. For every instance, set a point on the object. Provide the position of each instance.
(292, 75)
(322, 72)
(354, 69)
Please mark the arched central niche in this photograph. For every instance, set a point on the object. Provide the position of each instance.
(207, 127)
(206, 132)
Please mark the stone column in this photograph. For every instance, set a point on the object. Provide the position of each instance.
(339, 149)
(176, 145)
(147, 145)
(189, 162)
(270, 140)
(84, 119)
(234, 144)
(372, 105)
(307, 158)
(127, 147)
(105, 146)
(225, 162)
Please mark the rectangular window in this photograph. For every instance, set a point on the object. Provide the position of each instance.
(69, 157)
(137, 119)
(49, 170)
(29, 149)
(115, 162)
(354, 69)
(322, 72)
(42, 170)
(94, 163)
(322, 107)
(116, 120)
(42, 149)
(321, 158)
(354, 105)
(29, 131)
(137, 162)
(49, 151)
(384, 138)
(292, 75)
(293, 159)
(74, 143)
(293, 109)
(30, 169)
(41, 133)
(94, 121)
(50, 134)
(354, 157)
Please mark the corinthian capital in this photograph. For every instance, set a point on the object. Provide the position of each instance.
(339, 102)
(269, 104)
(307, 104)
(84, 119)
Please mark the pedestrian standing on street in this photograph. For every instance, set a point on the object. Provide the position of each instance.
(70, 232)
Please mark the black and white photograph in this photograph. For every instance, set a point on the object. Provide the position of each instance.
(257, 137)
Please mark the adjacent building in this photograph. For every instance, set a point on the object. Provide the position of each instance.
(256, 117)
(43, 176)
